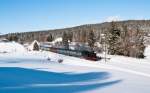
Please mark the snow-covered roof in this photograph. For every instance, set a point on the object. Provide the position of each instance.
(57, 40)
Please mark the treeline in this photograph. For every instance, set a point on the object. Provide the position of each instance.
(128, 42)
(80, 31)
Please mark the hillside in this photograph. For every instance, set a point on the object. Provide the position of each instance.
(78, 32)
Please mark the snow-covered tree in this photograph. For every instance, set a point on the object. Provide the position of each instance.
(50, 38)
(36, 46)
(91, 39)
(113, 36)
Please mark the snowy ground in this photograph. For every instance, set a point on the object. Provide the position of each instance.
(31, 72)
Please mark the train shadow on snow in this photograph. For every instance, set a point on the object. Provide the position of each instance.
(21, 80)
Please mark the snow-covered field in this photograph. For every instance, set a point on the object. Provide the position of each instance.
(30, 72)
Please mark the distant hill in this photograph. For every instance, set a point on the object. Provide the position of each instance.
(79, 32)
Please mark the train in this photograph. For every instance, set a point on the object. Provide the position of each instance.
(85, 54)
(89, 55)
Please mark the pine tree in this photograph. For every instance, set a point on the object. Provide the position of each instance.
(91, 39)
(139, 43)
(50, 38)
(36, 46)
(65, 40)
(113, 39)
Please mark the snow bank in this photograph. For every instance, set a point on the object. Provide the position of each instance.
(10, 47)
(52, 56)
(147, 52)
(74, 75)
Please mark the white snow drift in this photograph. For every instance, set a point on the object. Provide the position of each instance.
(10, 47)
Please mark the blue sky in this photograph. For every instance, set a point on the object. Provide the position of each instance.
(33, 15)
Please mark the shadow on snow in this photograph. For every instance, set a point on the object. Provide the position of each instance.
(20, 80)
